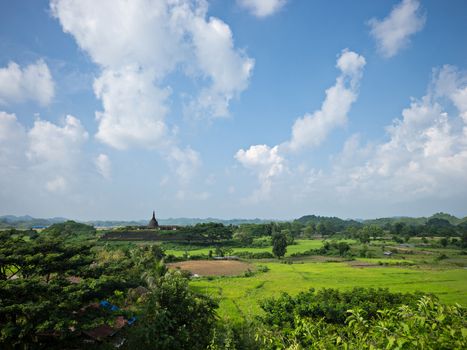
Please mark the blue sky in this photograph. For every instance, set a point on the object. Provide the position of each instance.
(246, 108)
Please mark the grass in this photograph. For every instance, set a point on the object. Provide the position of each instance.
(300, 245)
(239, 296)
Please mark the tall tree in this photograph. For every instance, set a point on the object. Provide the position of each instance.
(279, 244)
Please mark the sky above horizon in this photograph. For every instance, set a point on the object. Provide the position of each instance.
(246, 108)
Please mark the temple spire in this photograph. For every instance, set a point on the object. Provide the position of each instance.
(153, 222)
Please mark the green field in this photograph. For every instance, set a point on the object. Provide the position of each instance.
(412, 268)
(300, 245)
(239, 296)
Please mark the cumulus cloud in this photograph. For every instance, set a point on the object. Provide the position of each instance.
(49, 151)
(184, 161)
(53, 143)
(425, 155)
(262, 8)
(138, 44)
(420, 165)
(33, 82)
(393, 32)
(129, 40)
(12, 136)
(134, 109)
(264, 161)
(311, 129)
(227, 69)
(103, 165)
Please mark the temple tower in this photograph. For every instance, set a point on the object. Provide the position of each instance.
(153, 222)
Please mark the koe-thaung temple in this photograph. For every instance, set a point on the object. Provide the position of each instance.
(153, 224)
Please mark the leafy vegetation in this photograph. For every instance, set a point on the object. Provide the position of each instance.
(51, 284)
(51, 289)
(426, 324)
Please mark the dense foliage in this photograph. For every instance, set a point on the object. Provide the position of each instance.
(173, 317)
(51, 286)
(70, 230)
(427, 324)
(45, 281)
(330, 305)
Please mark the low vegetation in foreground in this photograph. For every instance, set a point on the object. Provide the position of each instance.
(315, 283)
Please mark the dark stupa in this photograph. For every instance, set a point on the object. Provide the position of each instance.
(153, 222)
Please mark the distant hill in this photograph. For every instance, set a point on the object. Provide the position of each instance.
(26, 222)
(453, 220)
(335, 222)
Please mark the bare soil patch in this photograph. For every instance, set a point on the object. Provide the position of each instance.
(213, 267)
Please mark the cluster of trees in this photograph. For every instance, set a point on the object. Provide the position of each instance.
(51, 286)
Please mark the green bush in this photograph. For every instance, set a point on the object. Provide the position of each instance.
(426, 324)
(255, 255)
(331, 304)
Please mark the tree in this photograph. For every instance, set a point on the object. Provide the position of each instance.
(212, 231)
(373, 231)
(243, 237)
(44, 284)
(363, 237)
(279, 244)
(309, 230)
(173, 317)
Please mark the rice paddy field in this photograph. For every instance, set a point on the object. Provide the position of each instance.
(239, 296)
(413, 267)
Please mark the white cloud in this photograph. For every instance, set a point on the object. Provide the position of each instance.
(52, 143)
(185, 162)
(138, 44)
(12, 141)
(393, 32)
(262, 8)
(264, 161)
(228, 70)
(33, 82)
(425, 155)
(312, 129)
(420, 167)
(103, 165)
(58, 184)
(134, 109)
(122, 34)
(47, 156)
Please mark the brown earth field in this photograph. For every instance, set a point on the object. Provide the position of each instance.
(213, 267)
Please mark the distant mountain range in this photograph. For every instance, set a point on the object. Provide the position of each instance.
(313, 219)
(26, 221)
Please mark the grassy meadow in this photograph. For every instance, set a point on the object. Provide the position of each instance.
(413, 267)
(239, 296)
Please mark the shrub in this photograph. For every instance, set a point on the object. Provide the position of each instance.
(255, 255)
(331, 304)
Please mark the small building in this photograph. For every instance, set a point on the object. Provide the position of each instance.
(387, 253)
